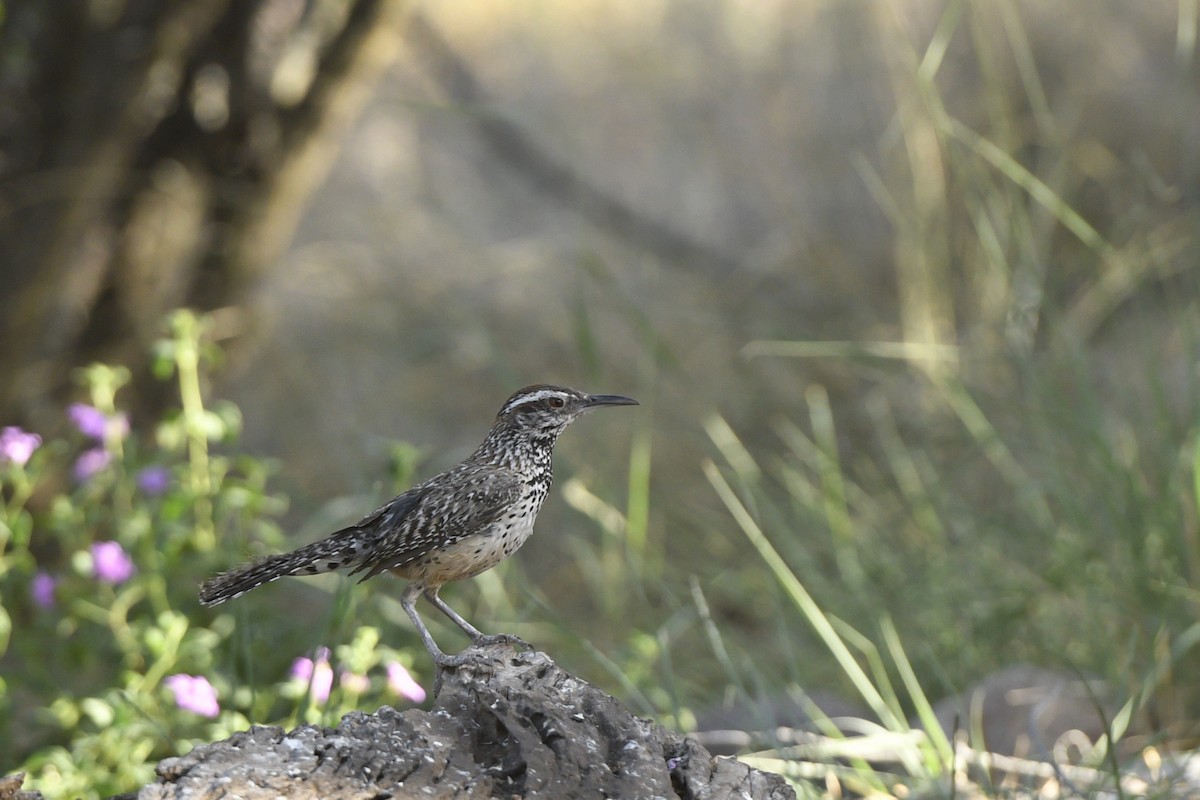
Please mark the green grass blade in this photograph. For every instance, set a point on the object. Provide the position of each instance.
(942, 749)
(800, 596)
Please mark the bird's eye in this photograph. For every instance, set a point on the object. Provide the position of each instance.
(557, 402)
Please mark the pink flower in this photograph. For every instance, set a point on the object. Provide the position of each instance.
(194, 693)
(42, 589)
(90, 462)
(17, 446)
(317, 674)
(110, 563)
(402, 683)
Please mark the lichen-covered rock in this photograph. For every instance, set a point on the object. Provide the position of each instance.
(512, 725)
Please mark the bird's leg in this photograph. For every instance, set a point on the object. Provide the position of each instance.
(408, 603)
(478, 637)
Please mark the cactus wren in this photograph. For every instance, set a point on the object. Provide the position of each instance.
(451, 527)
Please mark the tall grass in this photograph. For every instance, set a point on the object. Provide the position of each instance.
(1008, 500)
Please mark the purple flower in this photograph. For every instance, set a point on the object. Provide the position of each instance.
(90, 462)
(95, 424)
(91, 421)
(194, 693)
(154, 480)
(110, 563)
(317, 674)
(42, 589)
(17, 446)
(402, 683)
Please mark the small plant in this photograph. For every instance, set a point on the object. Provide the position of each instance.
(109, 663)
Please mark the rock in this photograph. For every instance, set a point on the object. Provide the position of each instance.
(776, 720)
(1023, 710)
(10, 788)
(512, 725)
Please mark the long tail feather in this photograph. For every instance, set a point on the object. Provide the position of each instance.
(341, 549)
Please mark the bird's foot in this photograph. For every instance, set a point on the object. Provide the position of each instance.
(500, 638)
(444, 661)
(472, 655)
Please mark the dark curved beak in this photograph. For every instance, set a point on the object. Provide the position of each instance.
(597, 400)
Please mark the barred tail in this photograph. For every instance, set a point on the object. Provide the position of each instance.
(341, 549)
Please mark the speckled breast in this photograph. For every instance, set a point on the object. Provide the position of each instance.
(478, 553)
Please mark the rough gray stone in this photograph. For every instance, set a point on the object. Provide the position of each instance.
(513, 725)
(10, 788)
(1022, 710)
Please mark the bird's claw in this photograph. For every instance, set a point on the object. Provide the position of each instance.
(455, 661)
(472, 655)
(500, 638)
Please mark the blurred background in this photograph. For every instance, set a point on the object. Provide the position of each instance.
(910, 287)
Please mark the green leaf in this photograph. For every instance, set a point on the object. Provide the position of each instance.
(97, 711)
(212, 426)
(230, 416)
(170, 434)
(163, 363)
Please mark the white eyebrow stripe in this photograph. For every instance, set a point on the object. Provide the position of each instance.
(541, 394)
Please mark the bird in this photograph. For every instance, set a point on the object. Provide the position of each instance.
(450, 527)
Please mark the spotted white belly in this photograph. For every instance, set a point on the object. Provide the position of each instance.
(474, 554)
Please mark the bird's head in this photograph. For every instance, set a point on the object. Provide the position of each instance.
(544, 410)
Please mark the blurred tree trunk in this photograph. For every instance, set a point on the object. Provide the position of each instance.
(156, 154)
